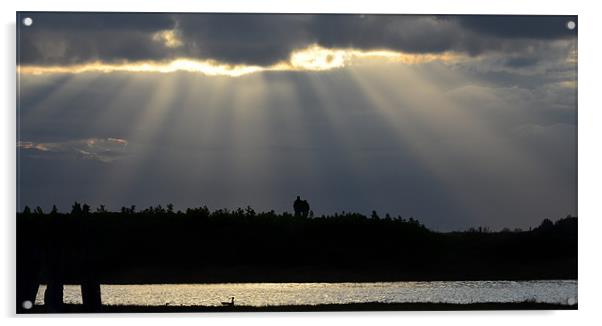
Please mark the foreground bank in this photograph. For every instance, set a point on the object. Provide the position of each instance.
(369, 306)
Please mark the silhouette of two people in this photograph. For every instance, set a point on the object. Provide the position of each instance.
(301, 207)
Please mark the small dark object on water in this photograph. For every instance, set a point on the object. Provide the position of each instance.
(228, 303)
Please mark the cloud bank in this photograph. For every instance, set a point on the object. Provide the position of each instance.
(267, 39)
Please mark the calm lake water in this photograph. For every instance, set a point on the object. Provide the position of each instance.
(263, 294)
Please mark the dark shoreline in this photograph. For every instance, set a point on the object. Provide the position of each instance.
(369, 306)
(339, 280)
(242, 246)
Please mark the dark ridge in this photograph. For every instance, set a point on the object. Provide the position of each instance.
(158, 245)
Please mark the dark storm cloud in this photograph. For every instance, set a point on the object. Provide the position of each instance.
(416, 34)
(519, 62)
(267, 39)
(533, 27)
(252, 38)
(262, 39)
(69, 38)
(435, 34)
(99, 21)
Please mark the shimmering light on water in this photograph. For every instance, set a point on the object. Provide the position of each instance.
(263, 294)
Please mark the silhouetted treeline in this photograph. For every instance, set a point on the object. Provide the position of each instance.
(160, 245)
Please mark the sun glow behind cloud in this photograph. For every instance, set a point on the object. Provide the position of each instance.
(169, 38)
(312, 58)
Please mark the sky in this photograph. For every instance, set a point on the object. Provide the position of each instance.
(458, 121)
